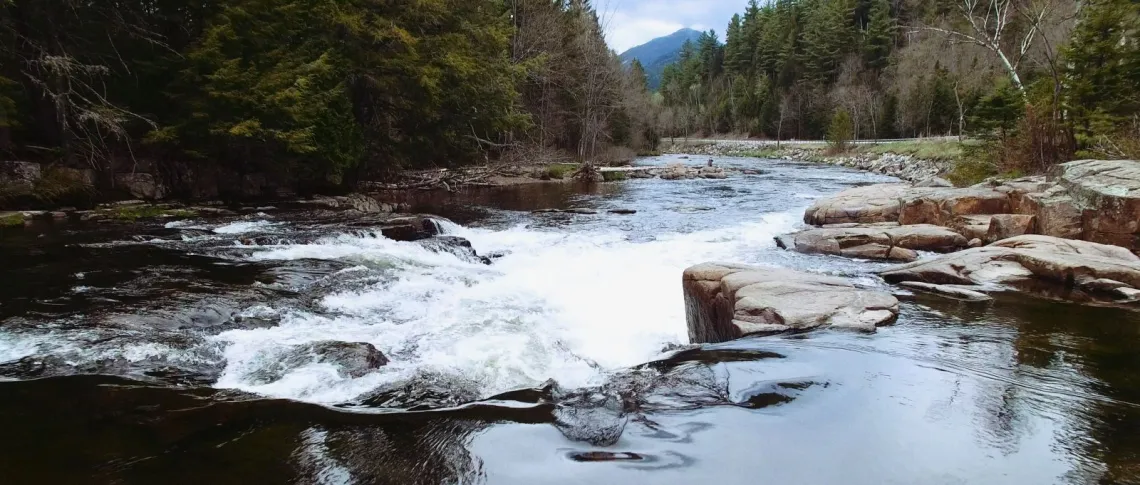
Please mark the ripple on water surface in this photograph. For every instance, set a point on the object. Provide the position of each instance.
(568, 329)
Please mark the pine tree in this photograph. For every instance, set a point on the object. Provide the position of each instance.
(637, 72)
(736, 58)
(827, 38)
(878, 37)
(1103, 66)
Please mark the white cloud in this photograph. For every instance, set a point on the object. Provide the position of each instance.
(629, 23)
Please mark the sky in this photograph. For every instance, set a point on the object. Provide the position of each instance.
(630, 23)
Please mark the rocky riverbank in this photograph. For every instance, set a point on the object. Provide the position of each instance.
(1072, 235)
(902, 166)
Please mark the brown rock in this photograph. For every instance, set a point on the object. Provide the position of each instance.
(940, 206)
(874, 241)
(1063, 268)
(1004, 226)
(1057, 214)
(1108, 194)
(728, 301)
(972, 227)
(1016, 190)
(872, 203)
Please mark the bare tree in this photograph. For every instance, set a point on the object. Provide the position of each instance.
(789, 111)
(989, 22)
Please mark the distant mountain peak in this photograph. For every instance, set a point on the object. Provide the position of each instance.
(660, 52)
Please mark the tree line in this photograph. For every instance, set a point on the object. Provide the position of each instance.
(1038, 79)
(328, 92)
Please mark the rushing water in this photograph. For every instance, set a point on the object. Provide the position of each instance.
(170, 354)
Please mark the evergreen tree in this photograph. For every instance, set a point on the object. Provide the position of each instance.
(1103, 66)
(637, 72)
(878, 37)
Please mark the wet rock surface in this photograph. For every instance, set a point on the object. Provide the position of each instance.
(727, 301)
(884, 241)
(1093, 200)
(1069, 269)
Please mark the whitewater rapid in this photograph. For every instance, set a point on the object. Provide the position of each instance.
(568, 306)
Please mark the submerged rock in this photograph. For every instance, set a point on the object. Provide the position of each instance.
(1070, 269)
(458, 246)
(728, 301)
(874, 241)
(956, 292)
(352, 359)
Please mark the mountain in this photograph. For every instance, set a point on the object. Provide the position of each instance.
(658, 53)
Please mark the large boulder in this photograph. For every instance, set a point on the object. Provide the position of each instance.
(941, 206)
(728, 301)
(874, 241)
(1005, 226)
(19, 174)
(1108, 194)
(1070, 269)
(140, 185)
(1017, 190)
(1056, 213)
(413, 228)
(867, 204)
(972, 226)
(677, 171)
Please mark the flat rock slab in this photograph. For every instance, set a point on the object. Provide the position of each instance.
(725, 301)
(882, 241)
(1063, 268)
(956, 292)
(871, 203)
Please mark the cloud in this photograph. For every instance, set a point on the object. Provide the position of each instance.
(629, 23)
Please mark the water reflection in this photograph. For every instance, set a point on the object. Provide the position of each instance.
(1013, 391)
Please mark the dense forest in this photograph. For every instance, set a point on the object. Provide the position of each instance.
(314, 93)
(1039, 79)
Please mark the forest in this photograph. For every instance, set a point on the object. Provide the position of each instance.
(317, 94)
(1036, 81)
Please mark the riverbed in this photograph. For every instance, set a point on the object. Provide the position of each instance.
(166, 352)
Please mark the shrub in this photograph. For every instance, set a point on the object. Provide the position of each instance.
(559, 171)
(613, 176)
(840, 132)
(12, 220)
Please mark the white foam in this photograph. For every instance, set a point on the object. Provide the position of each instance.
(568, 306)
(244, 227)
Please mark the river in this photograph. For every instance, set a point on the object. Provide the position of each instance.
(168, 353)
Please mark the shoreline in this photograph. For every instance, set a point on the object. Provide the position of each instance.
(130, 210)
(903, 166)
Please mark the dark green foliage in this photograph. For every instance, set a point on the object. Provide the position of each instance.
(840, 131)
(318, 92)
(879, 36)
(1103, 68)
